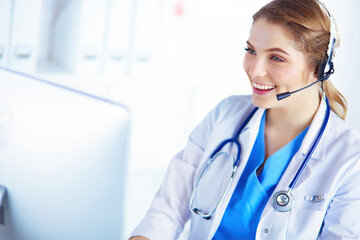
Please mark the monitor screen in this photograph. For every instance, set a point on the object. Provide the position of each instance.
(63, 159)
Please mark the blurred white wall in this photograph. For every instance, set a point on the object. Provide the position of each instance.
(347, 60)
(170, 61)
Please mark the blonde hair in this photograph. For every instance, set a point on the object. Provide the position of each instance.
(310, 26)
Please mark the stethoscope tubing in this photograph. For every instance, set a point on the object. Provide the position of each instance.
(207, 216)
(313, 147)
(235, 140)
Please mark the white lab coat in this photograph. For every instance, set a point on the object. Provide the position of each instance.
(333, 172)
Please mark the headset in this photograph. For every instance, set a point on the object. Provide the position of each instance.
(326, 67)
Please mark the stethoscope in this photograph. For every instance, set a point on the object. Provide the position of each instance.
(283, 200)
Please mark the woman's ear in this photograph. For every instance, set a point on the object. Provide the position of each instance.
(315, 76)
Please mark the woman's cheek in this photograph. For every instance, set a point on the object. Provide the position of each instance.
(247, 64)
(282, 76)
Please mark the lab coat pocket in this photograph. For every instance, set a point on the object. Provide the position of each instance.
(312, 202)
(305, 223)
(307, 215)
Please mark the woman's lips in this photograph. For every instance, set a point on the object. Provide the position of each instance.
(262, 88)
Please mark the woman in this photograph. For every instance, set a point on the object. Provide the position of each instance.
(269, 197)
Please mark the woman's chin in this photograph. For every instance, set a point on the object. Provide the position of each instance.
(262, 101)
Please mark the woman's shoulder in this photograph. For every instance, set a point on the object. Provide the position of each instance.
(233, 105)
(342, 127)
(344, 136)
(230, 108)
(237, 100)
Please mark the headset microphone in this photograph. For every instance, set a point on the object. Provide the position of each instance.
(283, 95)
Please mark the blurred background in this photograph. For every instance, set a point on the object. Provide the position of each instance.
(169, 61)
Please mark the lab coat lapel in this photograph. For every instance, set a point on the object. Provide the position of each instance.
(320, 150)
(248, 136)
(313, 132)
(294, 165)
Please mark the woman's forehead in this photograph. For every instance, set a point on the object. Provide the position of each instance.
(265, 34)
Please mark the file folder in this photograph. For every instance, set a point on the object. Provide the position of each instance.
(120, 19)
(146, 37)
(5, 22)
(25, 35)
(79, 36)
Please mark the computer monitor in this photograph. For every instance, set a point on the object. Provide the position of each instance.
(63, 159)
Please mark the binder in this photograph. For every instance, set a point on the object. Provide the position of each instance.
(5, 22)
(120, 18)
(79, 36)
(25, 35)
(146, 37)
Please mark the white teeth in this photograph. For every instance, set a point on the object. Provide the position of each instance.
(263, 87)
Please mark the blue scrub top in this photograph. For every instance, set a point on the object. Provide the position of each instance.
(252, 192)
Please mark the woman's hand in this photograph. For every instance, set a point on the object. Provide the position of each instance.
(139, 238)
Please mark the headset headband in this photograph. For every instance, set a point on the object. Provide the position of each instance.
(333, 34)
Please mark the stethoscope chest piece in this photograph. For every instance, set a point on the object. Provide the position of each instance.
(283, 201)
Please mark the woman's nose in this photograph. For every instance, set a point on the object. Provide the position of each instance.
(257, 68)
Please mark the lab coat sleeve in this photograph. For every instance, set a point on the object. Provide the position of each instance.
(169, 210)
(342, 219)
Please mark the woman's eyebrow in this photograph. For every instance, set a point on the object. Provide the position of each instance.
(271, 49)
(249, 44)
(277, 50)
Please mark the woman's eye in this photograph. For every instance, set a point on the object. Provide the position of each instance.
(277, 59)
(250, 51)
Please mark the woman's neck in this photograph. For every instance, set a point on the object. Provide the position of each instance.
(294, 117)
(284, 123)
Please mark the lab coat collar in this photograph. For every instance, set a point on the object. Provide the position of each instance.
(254, 123)
(313, 131)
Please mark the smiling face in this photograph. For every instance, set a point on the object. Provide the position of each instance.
(274, 65)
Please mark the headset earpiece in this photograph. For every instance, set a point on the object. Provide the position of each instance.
(321, 69)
